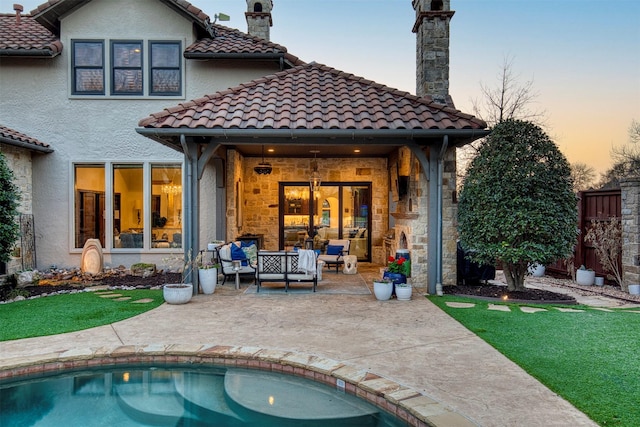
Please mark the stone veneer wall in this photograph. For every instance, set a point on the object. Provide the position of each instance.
(630, 195)
(19, 161)
(412, 220)
(260, 192)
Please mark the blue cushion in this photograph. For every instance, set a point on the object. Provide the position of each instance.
(247, 243)
(334, 249)
(238, 253)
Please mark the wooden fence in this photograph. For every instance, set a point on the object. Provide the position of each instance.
(592, 205)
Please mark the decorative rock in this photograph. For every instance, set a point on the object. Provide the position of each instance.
(26, 278)
(92, 261)
(143, 270)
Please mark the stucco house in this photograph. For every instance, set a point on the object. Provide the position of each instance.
(171, 131)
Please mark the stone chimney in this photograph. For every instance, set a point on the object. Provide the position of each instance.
(19, 9)
(259, 19)
(432, 49)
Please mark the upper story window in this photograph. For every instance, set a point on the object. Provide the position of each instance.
(88, 67)
(126, 60)
(165, 68)
(128, 69)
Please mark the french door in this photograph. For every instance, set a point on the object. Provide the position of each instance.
(336, 211)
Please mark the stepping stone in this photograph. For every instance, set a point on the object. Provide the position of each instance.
(142, 301)
(602, 309)
(460, 304)
(532, 309)
(568, 310)
(122, 299)
(496, 307)
(110, 295)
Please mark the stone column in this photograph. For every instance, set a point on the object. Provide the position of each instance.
(630, 195)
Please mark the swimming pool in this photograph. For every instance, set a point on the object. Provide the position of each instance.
(170, 395)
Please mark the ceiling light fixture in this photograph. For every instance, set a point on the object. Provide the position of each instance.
(263, 168)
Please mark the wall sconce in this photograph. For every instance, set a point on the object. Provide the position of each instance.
(137, 206)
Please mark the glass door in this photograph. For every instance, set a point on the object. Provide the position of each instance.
(337, 211)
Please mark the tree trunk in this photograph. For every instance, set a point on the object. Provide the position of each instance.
(514, 274)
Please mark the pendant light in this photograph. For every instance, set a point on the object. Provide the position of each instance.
(263, 168)
(314, 179)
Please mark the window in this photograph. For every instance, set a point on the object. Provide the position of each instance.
(130, 70)
(128, 205)
(128, 194)
(165, 68)
(126, 60)
(89, 190)
(88, 67)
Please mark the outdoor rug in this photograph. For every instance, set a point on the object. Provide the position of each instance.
(331, 283)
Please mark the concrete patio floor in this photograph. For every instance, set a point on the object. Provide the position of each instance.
(412, 343)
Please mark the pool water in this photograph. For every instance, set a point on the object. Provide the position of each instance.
(178, 396)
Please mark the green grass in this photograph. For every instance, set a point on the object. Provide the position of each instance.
(592, 358)
(70, 312)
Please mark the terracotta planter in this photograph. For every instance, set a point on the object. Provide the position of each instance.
(177, 293)
(382, 290)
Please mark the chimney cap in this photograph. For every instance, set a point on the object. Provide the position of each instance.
(18, 8)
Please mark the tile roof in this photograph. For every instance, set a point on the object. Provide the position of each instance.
(312, 96)
(27, 38)
(229, 41)
(13, 137)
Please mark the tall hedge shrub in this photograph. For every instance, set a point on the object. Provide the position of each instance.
(517, 204)
(9, 198)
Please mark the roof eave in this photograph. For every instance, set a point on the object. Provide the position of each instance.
(216, 55)
(26, 145)
(29, 53)
(374, 136)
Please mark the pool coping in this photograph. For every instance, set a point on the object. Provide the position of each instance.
(411, 406)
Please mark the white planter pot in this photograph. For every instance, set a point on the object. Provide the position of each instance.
(585, 277)
(177, 293)
(634, 289)
(403, 292)
(208, 279)
(382, 290)
(599, 281)
(536, 270)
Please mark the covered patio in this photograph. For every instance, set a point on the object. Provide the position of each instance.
(358, 131)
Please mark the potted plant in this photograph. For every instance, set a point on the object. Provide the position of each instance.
(180, 293)
(403, 291)
(396, 270)
(207, 275)
(584, 276)
(382, 289)
(212, 245)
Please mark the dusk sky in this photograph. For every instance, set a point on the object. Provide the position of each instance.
(582, 55)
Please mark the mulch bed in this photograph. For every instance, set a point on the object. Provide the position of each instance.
(499, 292)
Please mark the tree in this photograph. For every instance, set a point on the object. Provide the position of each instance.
(583, 176)
(9, 197)
(517, 204)
(626, 159)
(509, 99)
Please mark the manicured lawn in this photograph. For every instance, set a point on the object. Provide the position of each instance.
(70, 312)
(591, 358)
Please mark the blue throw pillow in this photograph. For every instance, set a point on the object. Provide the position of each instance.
(246, 243)
(334, 249)
(238, 253)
